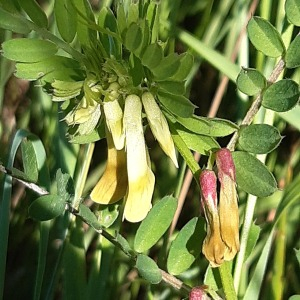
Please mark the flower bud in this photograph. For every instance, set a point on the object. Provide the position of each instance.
(197, 293)
(213, 246)
(228, 206)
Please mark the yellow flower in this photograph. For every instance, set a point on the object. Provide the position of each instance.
(112, 185)
(159, 126)
(128, 172)
(228, 206)
(114, 115)
(140, 177)
(213, 246)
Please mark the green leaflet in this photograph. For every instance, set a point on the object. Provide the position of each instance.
(13, 22)
(213, 127)
(46, 207)
(107, 20)
(292, 9)
(155, 224)
(187, 246)
(148, 269)
(259, 138)
(281, 96)
(85, 14)
(265, 37)
(35, 12)
(176, 104)
(252, 176)
(250, 81)
(292, 57)
(54, 68)
(28, 50)
(196, 142)
(152, 56)
(167, 67)
(29, 161)
(66, 19)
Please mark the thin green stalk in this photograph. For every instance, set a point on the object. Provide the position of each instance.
(4, 228)
(42, 256)
(184, 151)
(250, 206)
(182, 171)
(279, 259)
(83, 166)
(227, 281)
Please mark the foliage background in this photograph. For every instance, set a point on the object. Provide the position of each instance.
(219, 25)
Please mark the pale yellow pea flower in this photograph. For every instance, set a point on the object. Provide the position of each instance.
(140, 177)
(112, 186)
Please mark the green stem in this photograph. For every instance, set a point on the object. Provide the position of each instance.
(82, 171)
(43, 245)
(184, 151)
(279, 259)
(227, 281)
(250, 206)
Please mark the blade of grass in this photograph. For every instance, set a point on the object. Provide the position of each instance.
(219, 61)
(5, 208)
(254, 287)
(279, 259)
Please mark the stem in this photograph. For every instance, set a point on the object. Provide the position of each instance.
(227, 282)
(250, 206)
(173, 281)
(256, 104)
(279, 259)
(84, 164)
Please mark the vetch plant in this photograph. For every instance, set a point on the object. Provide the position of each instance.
(122, 112)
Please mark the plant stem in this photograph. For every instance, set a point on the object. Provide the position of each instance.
(227, 282)
(173, 281)
(249, 212)
(83, 168)
(279, 259)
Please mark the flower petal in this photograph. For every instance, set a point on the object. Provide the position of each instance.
(213, 247)
(159, 126)
(140, 177)
(114, 121)
(228, 206)
(112, 185)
